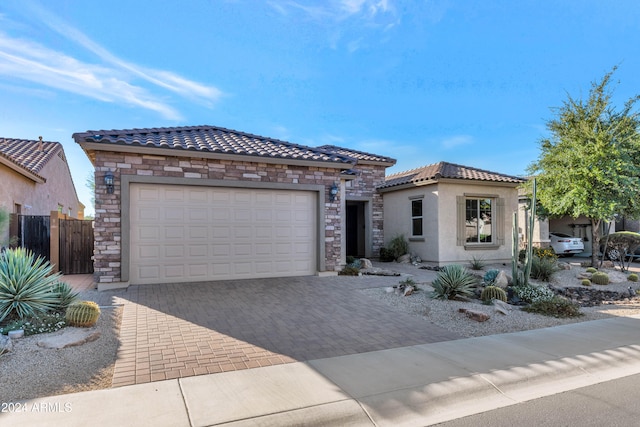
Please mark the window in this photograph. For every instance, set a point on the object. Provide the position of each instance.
(416, 218)
(480, 221)
(60, 207)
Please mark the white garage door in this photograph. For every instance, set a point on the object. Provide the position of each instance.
(186, 234)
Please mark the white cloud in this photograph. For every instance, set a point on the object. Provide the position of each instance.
(112, 80)
(456, 141)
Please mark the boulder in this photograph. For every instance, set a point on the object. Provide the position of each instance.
(502, 281)
(69, 337)
(564, 265)
(475, 315)
(404, 259)
(5, 344)
(584, 275)
(502, 307)
(365, 263)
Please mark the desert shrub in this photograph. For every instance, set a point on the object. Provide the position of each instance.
(490, 277)
(25, 284)
(585, 282)
(66, 295)
(493, 292)
(350, 259)
(533, 293)
(542, 253)
(399, 246)
(453, 281)
(591, 270)
(600, 278)
(407, 282)
(633, 277)
(620, 245)
(477, 263)
(543, 268)
(39, 324)
(349, 270)
(386, 255)
(556, 307)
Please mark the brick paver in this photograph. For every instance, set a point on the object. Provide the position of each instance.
(180, 330)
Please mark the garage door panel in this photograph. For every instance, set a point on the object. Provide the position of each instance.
(182, 233)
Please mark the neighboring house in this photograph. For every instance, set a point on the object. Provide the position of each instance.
(451, 213)
(207, 203)
(35, 179)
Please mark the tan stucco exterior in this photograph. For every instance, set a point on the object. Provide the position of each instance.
(440, 242)
(36, 197)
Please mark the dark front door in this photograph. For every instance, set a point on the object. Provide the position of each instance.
(76, 246)
(355, 229)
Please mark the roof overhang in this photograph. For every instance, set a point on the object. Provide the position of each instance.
(90, 147)
(22, 171)
(447, 181)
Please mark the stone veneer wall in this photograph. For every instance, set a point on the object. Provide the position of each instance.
(369, 177)
(107, 232)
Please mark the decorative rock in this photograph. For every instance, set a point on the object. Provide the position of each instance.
(501, 280)
(18, 333)
(564, 265)
(5, 344)
(502, 307)
(584, 275)
(475, 315)
(408, 290)
(68, 338)
(365, 263)
(376, 271)
(587, 297)
(404, 259)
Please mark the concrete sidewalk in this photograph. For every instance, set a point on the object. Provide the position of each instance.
(416, 385)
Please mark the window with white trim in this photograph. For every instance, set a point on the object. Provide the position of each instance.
(478, 224)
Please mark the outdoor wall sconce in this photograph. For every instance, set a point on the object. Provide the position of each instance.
(333, 192)
(108, 181)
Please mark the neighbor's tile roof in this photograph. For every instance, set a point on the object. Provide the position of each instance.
(214, 140)
(29, 154)
(441, 170)
(359, 155)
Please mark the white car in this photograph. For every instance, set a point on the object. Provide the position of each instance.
(565, 245)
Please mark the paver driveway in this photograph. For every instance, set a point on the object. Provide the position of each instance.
(179, 330)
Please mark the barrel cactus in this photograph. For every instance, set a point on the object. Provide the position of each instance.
(83, 313)
(600, 278)
(591, 270)
(493, 292)
(586, 282)
(633, 277)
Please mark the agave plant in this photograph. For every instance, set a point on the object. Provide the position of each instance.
(66, 295)
(26, 284)
(453, 281)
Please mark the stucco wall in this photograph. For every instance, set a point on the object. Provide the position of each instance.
(108, 238)
(440, 220)
(36, 198)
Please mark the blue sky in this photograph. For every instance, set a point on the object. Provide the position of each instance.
(470, 82)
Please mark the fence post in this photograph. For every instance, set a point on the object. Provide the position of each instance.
(54, 240)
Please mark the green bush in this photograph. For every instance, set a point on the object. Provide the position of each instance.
(591, 270)
(25, 284)
(586, 282)
(493, 292)
(386, 255)
(399, 246)
(39, 324)
(543, 268)
(633, 277)
(490, 277)
(556, 307)
(477, 263)
(349, 270)
(600, 278)
(533, 293)
(453, 281)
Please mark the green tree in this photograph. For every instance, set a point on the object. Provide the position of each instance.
(590, 165)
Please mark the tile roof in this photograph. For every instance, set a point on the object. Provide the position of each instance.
(213, 140)
(358, 155)
(447, 170)
(29, 154)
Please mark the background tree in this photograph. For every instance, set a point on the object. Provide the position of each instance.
(590, 165)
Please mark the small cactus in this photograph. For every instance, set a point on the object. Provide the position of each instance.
(493, 292)
(591, 270)
(600, 278)
(585, 282)
(633, 277)
(83, 313)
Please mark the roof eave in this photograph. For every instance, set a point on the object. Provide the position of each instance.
(172, 152)
(22, 171)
